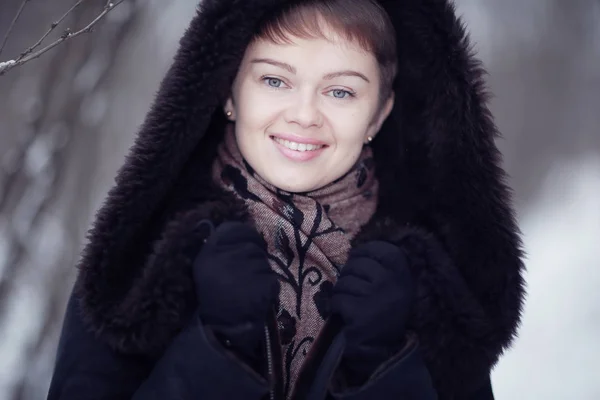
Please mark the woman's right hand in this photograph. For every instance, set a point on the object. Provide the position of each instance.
(235, 286)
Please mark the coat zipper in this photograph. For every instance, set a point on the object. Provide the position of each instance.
(270, 364)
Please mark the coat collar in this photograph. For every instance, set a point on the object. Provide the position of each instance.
(438, 167)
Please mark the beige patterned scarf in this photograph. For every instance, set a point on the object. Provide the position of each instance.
(308, 237)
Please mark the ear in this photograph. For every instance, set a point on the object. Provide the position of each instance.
(387, 109)
(381, 117)
(229, 108)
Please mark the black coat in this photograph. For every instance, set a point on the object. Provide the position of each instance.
(130, 326)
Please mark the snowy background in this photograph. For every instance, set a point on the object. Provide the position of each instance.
(68, 118)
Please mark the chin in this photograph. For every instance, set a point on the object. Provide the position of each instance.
(293, 186)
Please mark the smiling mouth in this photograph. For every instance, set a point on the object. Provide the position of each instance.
(295, 146)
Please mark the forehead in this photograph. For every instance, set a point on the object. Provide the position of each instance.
(314, 53)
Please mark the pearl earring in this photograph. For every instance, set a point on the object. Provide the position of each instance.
(229, 113)
(369, 139)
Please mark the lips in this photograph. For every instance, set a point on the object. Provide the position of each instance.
(297, 146)
(298, 139)
(299, 150)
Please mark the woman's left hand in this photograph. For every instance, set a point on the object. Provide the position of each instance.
(373, 296)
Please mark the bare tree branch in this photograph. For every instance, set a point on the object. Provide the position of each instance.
(68, 34)
(12, 25)
(52, 27)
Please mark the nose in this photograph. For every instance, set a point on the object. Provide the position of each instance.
(304, 111)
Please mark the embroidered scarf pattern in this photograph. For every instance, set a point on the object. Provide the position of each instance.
(308, 237)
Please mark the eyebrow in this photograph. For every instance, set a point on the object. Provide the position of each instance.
(279, 64)
(346, 73)
(292, 70)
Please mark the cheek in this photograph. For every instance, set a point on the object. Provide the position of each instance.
(350, 128)
(256, 107)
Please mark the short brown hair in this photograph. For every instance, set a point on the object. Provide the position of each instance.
(363, 22)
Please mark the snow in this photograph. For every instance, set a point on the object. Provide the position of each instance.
(6, 64)
(556, 354)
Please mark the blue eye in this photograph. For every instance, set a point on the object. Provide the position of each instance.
(341, 94)
(273, 82)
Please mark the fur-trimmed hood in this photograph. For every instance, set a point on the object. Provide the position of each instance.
(442, 193)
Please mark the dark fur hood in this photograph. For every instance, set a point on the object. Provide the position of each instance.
(442, 193)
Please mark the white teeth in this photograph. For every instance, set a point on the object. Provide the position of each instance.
(297, 146)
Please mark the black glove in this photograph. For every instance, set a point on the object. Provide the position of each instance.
(236, 287)
(373, 296)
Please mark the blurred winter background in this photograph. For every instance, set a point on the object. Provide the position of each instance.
(67, 119)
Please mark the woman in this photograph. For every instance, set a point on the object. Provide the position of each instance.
(314, 209)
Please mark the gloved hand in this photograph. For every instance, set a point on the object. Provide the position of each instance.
(373, 296)
(236, 288)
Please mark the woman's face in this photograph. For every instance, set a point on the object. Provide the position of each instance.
(303, 111)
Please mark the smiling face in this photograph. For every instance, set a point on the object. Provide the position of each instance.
(304, 110)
